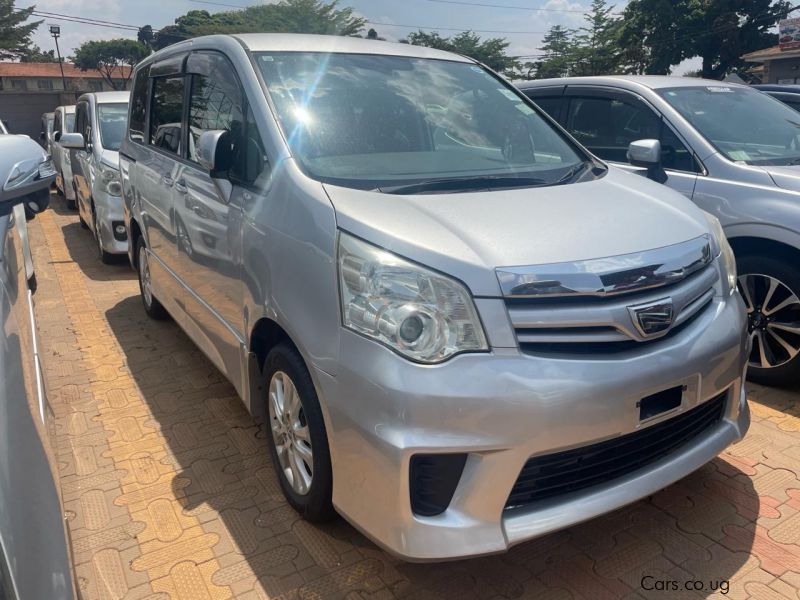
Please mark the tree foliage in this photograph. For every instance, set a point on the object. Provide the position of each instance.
(36, 54)
(110, 57)
(666, 32)
(491, 52)
(286, 16)
(15, 34)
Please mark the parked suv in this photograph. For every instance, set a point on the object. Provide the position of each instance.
(64, 122)
(100, 124)
(736, 153)
(788, 94)
(463, 330)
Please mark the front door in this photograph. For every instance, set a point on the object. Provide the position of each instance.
(208, 215)
(607, 120)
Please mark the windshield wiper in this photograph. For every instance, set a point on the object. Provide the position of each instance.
(457, 184)
(574, 171)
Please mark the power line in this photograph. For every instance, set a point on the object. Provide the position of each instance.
(509, 7)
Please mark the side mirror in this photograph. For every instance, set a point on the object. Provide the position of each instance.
(26, 173)
(647, 154)
(215, 152)
(72, 141)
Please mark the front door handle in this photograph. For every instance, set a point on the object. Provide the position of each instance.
(167, 180)
(180, 186)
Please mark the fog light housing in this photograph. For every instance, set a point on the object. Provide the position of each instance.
(120, 233)
(433, 479)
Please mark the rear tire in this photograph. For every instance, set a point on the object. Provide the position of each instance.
(299, 428)
(758, 274)
(153, 308)
(71, 203)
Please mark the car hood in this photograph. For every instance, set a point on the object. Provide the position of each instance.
(787, 178)
(469, 235)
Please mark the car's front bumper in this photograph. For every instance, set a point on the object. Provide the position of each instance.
(503, 408)
(109, 215)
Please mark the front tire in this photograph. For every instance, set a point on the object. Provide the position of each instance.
(297, 438)
(771, 291)
(153, 308)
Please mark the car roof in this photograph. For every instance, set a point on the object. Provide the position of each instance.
(790, 89)
(109, 97)
(652, 82)
(296, 42)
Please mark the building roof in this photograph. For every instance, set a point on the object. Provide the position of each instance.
(768, 54)
(15, 69)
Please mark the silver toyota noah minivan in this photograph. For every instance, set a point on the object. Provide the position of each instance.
(462, 329)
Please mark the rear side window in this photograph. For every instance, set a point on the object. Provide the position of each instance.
(139, 105)
(166, 114)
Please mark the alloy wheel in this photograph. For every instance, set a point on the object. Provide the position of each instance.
(290, 433)
(773, 320)
(97, 234)
(144, 277)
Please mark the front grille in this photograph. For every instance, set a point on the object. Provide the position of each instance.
(604, 324)
(573, 470)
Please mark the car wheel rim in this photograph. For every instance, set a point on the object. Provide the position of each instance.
(773, 320)
(290, 433)
(144, 277)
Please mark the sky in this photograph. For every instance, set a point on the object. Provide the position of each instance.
(393, 19)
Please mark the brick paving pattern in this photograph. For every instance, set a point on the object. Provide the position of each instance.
(170, 493)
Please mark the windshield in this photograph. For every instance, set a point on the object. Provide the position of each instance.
(112, 119)
(70, 122)
(745, 125)
(380, 122)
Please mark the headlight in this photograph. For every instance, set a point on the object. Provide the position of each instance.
(109, 177)
(420, 314)
(724, 250)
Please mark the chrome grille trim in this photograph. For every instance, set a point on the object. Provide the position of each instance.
(609, 320)
(609, 276)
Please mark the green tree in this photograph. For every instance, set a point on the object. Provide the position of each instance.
(596, 46)
(491, 52)
(558, 54)
(35, 54)
(110, 57)
(666, 32)
(15, 34)
(286, 16)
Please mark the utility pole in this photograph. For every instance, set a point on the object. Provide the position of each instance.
(55, 31)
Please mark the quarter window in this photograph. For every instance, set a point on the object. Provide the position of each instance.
(548, 104)
(251, 161)
(166, 114)
(139, 104)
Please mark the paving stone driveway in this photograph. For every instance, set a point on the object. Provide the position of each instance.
(170, 492)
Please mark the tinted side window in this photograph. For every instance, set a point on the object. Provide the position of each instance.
(139, 105)
(81, 120)
(548, 104)
(57, 124)
(674, 155)
(251, 161)
(166, 114)
(608, 125)
(216, 101)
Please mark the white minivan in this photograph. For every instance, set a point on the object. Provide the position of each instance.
(100, 122)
